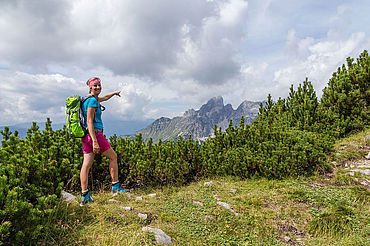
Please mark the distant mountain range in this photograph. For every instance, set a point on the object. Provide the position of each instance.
(118, 127)
(200, 123)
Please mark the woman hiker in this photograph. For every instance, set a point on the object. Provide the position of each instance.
(95, 142)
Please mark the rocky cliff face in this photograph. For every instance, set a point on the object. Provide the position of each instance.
(199, 123)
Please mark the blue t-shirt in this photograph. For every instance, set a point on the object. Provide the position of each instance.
(92, 102)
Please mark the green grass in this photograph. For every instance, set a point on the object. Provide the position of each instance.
(268, 211)
(318, 210)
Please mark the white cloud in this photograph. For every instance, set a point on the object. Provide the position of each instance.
(27, 97)
(323, 59)
(209, 49)
(169, 52)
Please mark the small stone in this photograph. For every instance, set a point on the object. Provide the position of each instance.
(127, 208)
(287, 239)
(337, 153)
(363, 171)
(198, 203)
(363, 166)
(139, 198)
(209, 217)
(346, 165)
(351, 166)
(112, 200)
(368, 156)
(233, 191)
(114, 194)
(224, 204)
(365, 182)
(159, 235)
(152, 195)
(208, 183)
(351, 174)
(299, 239)
(249, 194)
(142, 216)
(68, 196)
(217, 197)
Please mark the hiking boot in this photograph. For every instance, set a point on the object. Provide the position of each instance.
(116, 188)
(86, 199)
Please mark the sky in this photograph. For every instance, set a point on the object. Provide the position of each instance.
(167, 56)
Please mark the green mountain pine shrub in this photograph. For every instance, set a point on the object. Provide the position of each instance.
(345, 102)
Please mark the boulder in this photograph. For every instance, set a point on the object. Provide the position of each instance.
(67, 196)
(159, 235)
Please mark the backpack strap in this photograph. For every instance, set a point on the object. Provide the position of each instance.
(102, 108)
(85, 99)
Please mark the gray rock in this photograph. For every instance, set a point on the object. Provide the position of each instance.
(139, 198)
(224, 204)
(127, 208)
(287, 239)
(208, 183)
(365, 182)
(316, 185)
(228, 207)
(362, 171)
(67, 196)
(142, 216)
(159, 235)
(209, 217)
(363, 166)
(217, 197)
(198, 203)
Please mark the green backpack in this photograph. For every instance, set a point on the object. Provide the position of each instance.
(75, 117)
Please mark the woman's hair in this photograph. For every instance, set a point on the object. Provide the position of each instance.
(90, 82)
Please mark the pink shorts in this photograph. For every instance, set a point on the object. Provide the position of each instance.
(87, 143)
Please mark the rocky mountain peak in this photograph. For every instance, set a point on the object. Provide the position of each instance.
(215, 102)
(199, 123)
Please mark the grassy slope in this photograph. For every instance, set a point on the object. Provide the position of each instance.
(320, 210)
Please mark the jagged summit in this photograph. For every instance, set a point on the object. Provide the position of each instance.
(199, 123)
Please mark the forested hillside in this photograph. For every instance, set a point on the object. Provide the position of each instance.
(290, 137)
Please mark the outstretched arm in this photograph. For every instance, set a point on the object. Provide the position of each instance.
(108, 96)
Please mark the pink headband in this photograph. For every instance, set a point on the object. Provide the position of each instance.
(92, 82)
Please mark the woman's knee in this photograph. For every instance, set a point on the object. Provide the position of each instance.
(111, 154)
(114, 156)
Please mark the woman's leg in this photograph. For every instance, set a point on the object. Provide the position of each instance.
(113, 166)
(86, 165)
